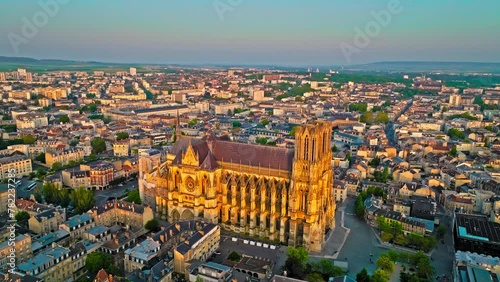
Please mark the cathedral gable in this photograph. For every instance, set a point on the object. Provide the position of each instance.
(190, 157)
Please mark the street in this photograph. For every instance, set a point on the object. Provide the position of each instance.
(101, 196)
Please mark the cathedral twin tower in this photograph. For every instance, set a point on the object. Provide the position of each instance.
(281, 194)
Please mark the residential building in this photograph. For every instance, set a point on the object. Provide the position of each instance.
(76, 178)
(22, 251)
(101, 174)
(46, 221)
(64, 156)
(200, 246)
(140, 255)
(17, 165)
(78, 224)
(52, 265)
(121, 148)
(211, 272)
(53, 93)
(31, 121)
(120, 212)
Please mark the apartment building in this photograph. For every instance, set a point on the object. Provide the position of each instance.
(46, 221)
(22, 247)
(140, 255)
(121, 148)
(52, 265)
(124, 213)
(76, 178)
(78, 224)
(200, 246)
(53, 93)
(101, 174)
(31, 121)
(64, 156)
(17, 164)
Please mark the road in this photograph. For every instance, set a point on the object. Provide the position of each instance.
(389, 128)
(101, 196)
(22, 190)
(360, 243)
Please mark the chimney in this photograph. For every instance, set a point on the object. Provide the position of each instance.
(110, 278)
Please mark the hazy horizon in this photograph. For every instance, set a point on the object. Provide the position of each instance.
(239, 32)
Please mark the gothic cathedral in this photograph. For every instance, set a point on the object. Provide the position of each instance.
(277, 193)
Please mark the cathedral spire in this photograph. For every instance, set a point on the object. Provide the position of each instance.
(178, 127)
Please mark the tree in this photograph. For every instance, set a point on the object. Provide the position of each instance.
(22, 215)
(121, 136)
(83, 199)
(152, 225)
(73, 143)
(134, 197)
(293, 130)
(55, 195)
(314, 277)
(363, 276)
(326, 268)
(386, 236)
(98, 145)
(63, 119)
(96, 261)
(453, 132)
(441, 231)
(234, 256)
(382, 117)
(380, 276)
(366, 117)
(6, 117)
(384, 262)
(56, 166)
(40, 158)
(264, 122)
(374, 162)
(453, 151)
(296, 262)
(393, 255)
(236, 124)
(28, 139)
(193, 122)
(261, 141)
(334, 149)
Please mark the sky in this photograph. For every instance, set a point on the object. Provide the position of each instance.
(252, 32)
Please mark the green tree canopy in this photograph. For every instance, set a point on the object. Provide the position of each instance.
(234, 256)
(63, 119)
(121, 136)
(380, 276)
(152, 225)
(22, 215)
(83, 199)
(98, 260)
(98, 145)
(363, 276)
(384, 262)
(57, 166)
(28, 139)
(134, 197)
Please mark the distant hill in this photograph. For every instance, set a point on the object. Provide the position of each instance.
(443, 67)
(44, 65)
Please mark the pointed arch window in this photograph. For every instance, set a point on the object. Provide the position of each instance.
(306, 148)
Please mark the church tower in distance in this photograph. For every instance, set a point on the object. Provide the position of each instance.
(312, 205)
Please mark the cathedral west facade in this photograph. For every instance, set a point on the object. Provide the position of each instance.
(273, 192)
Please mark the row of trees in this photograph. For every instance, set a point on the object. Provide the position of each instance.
(81, 198)
(369, 117)
(420, 270)
(393, 232)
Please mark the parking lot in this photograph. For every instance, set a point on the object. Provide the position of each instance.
(22, 190)
(253, 248)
